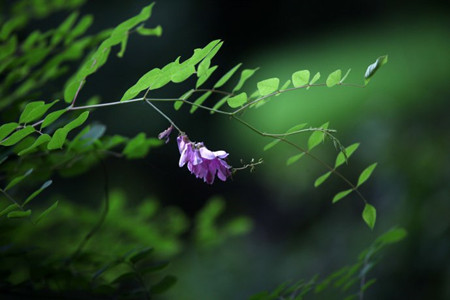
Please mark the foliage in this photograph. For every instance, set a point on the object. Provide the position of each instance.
(42, 139)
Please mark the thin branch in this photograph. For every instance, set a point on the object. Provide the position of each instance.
(164, 115)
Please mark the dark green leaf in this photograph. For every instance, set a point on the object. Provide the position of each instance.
(366, 174)
(368, 284)
(392, 236)
(341, 158)
(341, 195)
(245, 74)
(46, 212)
(9, 209)
(374, 67)
(300, 78)
(125, 277)
(227, 76)
(141, 255)
(18, 136)
(369, 215)
(237, 100)
(166, 283)
(139, 146)
(268, 86)
(334, 78)
(321, 179)
(18, 179)
(37, 192)
(19, 214)
(154, 267)
(6, 129)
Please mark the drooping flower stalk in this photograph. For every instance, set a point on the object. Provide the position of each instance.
(201, 161)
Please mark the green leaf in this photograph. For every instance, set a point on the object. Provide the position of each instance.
(219, 103)
(77, 122)
(37, 192)
(141, 255)
(71, 90)
(79, 29)
(35, 110)
(293, 159)
(202, 79)
(157, 31)
(341, 195)
(371, 70)
(46, 212)
(199, 101)
(369, 215)
(203, 67)
(6, 129)
(52, 117)
(268, 86)
(123, 47)
(227, 76)
(341, 158)
(284, 87)
(58, 139)
(9, 209)
(245, 75)
(345, 76)
(139, 146)
(18, 136)
(162, 286)
(334, 78)
(177, 105)
(297, 127)
(18, 179)
(142, 84)
(321, 179)
(183, 72)
(19, 214)
(392, 236)
(64, 28)
(237, 100)
(154, 267)
(317, 137)
(366, 174)
(271, 144)
(314, 79)
(300, 78)
(200, 54)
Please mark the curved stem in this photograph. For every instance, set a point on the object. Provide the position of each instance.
(282, 139)
(164, 115)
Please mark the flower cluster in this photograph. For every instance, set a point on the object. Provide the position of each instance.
(202, 162)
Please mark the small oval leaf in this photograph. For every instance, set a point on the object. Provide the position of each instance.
(341, 195)
(369, 215)
(300, 78)
(366, 174)
(237, 100)
(268, 86)
(334, 78)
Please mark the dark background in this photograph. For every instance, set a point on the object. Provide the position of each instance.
(401, 120)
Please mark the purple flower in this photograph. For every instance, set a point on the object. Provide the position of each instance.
(202, 162)
(165, 134)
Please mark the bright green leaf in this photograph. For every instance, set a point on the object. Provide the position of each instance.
(142, 84)
(271, 144)
(205, 77)
(369, 215)
(123, 47)
(314, 79)
(157, 31)
(245, 75)
(300, 78)
(35, 112)
(71, 90)
(199, 101)
(46, 212)
(321, 179)
(341, 195)
(297, 127)
(237, 100)
(19, 214)
(293, 159)
(374, 67)
(366, 174)
(345, 76)
(334, 78)
(58, 139)
(200, 54)
(219, 103)
(37, 192)
(18, 136)
(6, 129)
(177, 105)
(284, 86)
(52, 117)
(317, 137)
(341, 158)
(227, 76)
(203, 67)
(183, 73)
(268, 86)
(77, 122)
(18, 179)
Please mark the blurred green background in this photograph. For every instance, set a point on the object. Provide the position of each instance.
(401, 119)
